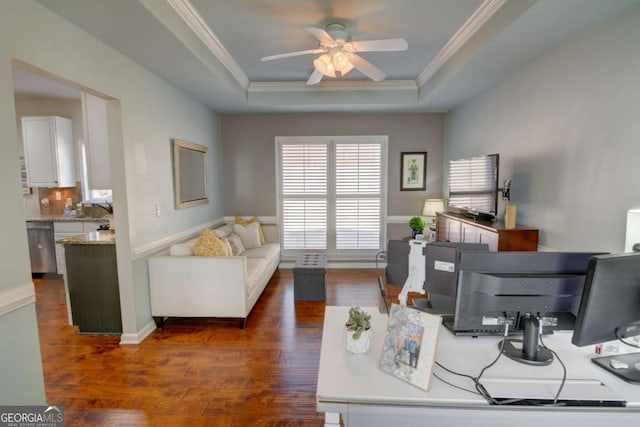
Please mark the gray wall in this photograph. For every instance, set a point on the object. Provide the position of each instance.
(249, 154)
(567, 129)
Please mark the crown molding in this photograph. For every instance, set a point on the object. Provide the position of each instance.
(333, 86)
(192, 18)
(486, 10)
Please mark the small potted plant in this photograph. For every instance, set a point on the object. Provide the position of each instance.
(417, 224)
(357, 331)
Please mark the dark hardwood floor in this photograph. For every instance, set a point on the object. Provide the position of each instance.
(197, 372)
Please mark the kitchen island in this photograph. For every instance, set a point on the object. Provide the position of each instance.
(91, 281)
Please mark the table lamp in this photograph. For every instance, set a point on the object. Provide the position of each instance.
(431, 206)
(633, 231)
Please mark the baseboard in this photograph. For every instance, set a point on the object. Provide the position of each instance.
(366, 265)
(16, 298)
(129, 339)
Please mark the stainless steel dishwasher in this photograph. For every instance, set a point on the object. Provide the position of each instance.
(42, 248)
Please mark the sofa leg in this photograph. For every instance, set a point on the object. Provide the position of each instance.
(244, 323)
(159, 321)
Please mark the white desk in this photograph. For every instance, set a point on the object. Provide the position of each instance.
(352, 386)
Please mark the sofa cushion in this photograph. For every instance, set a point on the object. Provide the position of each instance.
(210, 245)
(269, 252)
(242, 221)
(249, 234)
(237, 248)
(256, 267)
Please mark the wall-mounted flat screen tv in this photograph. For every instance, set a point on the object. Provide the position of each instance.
(473, 186)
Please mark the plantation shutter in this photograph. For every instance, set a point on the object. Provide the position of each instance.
(472, 183)
(358, 192)
(331, 195)
(304, 195)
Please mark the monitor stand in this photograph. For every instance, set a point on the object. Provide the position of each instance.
(527, 350)
(625, 366)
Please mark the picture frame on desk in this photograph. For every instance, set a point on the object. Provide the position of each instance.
(410, 345)
(413, 171)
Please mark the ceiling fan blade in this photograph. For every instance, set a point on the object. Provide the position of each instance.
(290, 54)
(377, 45)
(320, 34)
(315, 78)
(367, 68)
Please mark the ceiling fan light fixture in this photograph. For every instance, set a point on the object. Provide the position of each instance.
(324, 64)
(341, 62)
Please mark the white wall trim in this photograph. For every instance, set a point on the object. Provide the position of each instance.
(399, 219)
(16, 298)
(486, 10)
(149, 248)
(192, 18)
(267, 220)
(131, 339)
(333, 86)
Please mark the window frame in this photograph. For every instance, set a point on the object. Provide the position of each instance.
(331, 142)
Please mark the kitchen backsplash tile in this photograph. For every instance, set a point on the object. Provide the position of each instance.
(56, 207)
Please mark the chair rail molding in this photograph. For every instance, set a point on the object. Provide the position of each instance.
(16, 298)
(154, 246)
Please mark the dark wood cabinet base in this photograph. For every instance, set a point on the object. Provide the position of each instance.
(457, 228)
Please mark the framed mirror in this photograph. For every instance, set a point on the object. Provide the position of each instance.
(190, 171)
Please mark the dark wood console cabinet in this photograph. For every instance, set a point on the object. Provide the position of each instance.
(457, 228)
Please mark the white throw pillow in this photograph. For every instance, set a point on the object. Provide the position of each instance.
(181, 249)
(249, 234)
(237, 248)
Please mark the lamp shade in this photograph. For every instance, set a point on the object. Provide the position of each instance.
(431, 206)
(341, 62)
(324, 64)
(633, 229)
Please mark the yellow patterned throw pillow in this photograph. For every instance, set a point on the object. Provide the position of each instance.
(210, 245)
(242, 221)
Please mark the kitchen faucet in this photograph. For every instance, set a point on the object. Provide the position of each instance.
(108, 207)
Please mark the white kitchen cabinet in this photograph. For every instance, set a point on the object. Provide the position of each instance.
(96, 130)
(48, 151)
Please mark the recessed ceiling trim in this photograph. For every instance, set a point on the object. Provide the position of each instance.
(486, 10)
(192, 18)
(334, 86)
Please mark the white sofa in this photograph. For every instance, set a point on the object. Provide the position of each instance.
(202, 286)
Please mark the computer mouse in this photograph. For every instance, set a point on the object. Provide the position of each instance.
(618, 364)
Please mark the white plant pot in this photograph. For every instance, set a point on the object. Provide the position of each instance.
(359, 346)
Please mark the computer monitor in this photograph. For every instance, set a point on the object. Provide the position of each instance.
(441, 278)
(610, 310)
(530, 291)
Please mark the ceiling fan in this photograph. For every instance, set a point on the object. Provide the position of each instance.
(337, 53)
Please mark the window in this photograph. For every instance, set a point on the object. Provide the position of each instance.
(331, 194)
(473, 183)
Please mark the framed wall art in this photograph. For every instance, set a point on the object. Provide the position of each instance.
(190, 171)
(413, 171)
(409, 348)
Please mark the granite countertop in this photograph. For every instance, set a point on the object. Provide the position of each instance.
(107, 237)
(62, 218)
